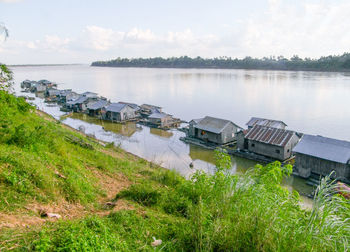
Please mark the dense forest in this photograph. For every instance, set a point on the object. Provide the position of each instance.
(328, 63)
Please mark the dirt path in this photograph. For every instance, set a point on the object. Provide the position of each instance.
(111, 184)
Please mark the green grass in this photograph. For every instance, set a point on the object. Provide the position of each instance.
(33, 149)
(220, 212)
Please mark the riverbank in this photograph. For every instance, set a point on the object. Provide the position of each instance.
(62, 190)
(339, 63)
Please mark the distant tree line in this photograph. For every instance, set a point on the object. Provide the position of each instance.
(328, 63)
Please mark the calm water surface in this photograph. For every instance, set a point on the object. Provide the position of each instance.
(309, 102)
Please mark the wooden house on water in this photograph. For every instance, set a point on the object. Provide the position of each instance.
(27, 84)
(66, 96)
(267, 141)
(147, 109)
(95, 108)
(162, 120)
(80, 104)
(90, 95)
(38, 88)
(265, 122)
(118, 112)
(214, 130)
(133, 105)
(321, 155)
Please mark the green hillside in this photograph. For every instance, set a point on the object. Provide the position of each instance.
(110, 200)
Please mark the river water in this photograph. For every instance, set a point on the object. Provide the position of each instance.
(309, 102)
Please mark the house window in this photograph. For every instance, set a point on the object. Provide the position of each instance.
(288, 150)
(278, 151)
(253, 145)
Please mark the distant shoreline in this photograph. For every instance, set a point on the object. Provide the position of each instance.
(221, 68)
(31, 65)
(330, 63)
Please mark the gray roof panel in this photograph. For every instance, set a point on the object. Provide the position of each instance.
(116, 107)
(212, 124)
(324, 148)
(157, 115)
(80, 100)
(265, 122)
(97, 105)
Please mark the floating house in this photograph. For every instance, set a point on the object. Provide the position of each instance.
(80, 104)
(191, 129)
(265, 122)
(27, 84)
(267, 141)
(118, 112)
(214, 130)
(161, 120)
(47, 84)
(147, 109)
(67, 95)
(52, 92)
(90, 95)
(321, 155)
(38, 88)
(95, 108)
(133, 105)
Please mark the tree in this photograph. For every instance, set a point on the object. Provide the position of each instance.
(5, 73)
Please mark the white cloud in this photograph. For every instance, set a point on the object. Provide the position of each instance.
(309, 29)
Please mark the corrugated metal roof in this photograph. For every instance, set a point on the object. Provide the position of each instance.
(269, 135)
(149, 106)
(65, 92)
(265, 122)
(324, 148)
(89, 94)
(195, 121)
(116, 107)
(80, 100)
(212, 124)
(133, 105)
(97, 105)
(157, 115)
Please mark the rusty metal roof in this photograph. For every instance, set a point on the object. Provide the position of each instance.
(269, 135)
(266, 122)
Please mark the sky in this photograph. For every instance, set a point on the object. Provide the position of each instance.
(82, 31)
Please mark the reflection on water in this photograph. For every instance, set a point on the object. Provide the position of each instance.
(198, 153)
(124, 129)
(161, 133)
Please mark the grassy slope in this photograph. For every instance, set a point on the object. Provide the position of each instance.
(39, 167)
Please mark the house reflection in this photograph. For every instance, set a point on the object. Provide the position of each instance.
(161, 133)
(199, 153)
(124, 129)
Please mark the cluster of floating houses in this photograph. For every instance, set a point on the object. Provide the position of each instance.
(263, 139)
(100, 107)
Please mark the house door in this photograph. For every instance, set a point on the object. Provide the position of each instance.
(246, 144)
